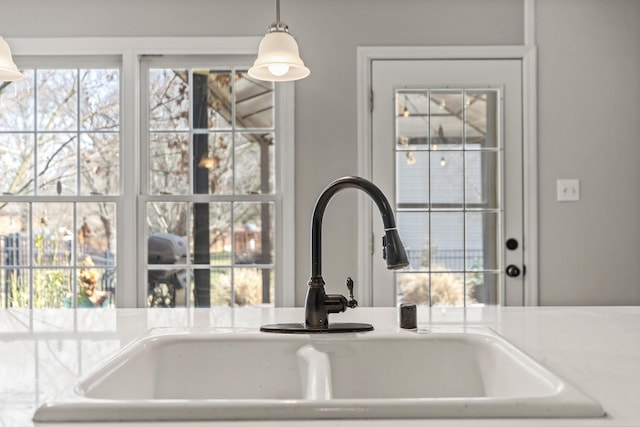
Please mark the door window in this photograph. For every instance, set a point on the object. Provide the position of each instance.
(447, 152)
(447, 156)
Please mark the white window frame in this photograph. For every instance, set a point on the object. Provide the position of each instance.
(130, 251)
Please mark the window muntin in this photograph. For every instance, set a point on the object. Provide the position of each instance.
(210, 187)
(447, 187)
(59, 176)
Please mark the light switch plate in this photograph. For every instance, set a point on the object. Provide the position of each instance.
(568, 190)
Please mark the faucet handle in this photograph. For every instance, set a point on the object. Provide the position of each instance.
(352, 303)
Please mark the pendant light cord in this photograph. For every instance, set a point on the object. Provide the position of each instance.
(277, 10)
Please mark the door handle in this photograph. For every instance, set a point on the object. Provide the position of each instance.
(512, 271)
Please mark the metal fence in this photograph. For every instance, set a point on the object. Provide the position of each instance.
(17, 255)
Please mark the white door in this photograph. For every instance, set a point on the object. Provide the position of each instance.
(447, 152)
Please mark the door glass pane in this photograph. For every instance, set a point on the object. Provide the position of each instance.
(482, 287)
(412, 178)
(481, 179)
(481, 245)
(447, 289)
(414, 288)
(447, 177)
(447, 241)
(414, 232)
(447, 122)
(447, 202)
(412, 119)
(481, 119)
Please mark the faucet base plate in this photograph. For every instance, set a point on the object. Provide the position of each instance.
(299, 328)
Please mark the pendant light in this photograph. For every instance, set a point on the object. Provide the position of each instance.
(278, 56)
(8, 70)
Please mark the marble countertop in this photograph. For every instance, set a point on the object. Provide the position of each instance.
(597, 349)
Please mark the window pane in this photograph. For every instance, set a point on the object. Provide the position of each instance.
(57, 100)
(211, 99)
(167, 217)
(254, 102)
(481, 179)
(447, 177)
(481, 119)
(167, 287)
(52, 233)
(99, 163)
(169, 163)
(446, 119)
(481, 242)
(414, 232)
(221, 292)
(447, 289)
(168, 99)
(254, 163)
(212, 233)
(413, 287)
(14, 229)
(15, 248)
(412, 120)
(447, 241)
(412, 179)
(247, 287)
(213, 173)
(97, 233)
(15, 287)
(253, 233)
(100, 99)
(482, 287)
(93, 287)
(57, 164)
(52, 288)
(16, 163)
(17, 104)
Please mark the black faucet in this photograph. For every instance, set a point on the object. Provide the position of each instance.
(318, 305)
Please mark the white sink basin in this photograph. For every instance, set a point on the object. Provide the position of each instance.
(448, 373)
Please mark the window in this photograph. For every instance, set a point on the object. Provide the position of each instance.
(209, 193)
(447, 156)
(170, 175)
(59, 177)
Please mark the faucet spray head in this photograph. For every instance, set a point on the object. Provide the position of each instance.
(393, 250)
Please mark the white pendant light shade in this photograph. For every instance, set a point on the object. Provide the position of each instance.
(278, 55)
(278, 59)
(8, 70)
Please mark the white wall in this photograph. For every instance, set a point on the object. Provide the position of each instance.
(589, 113)
(589, 128)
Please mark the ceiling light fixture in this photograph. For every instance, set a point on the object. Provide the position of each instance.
(8, 70)
(278, 55)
